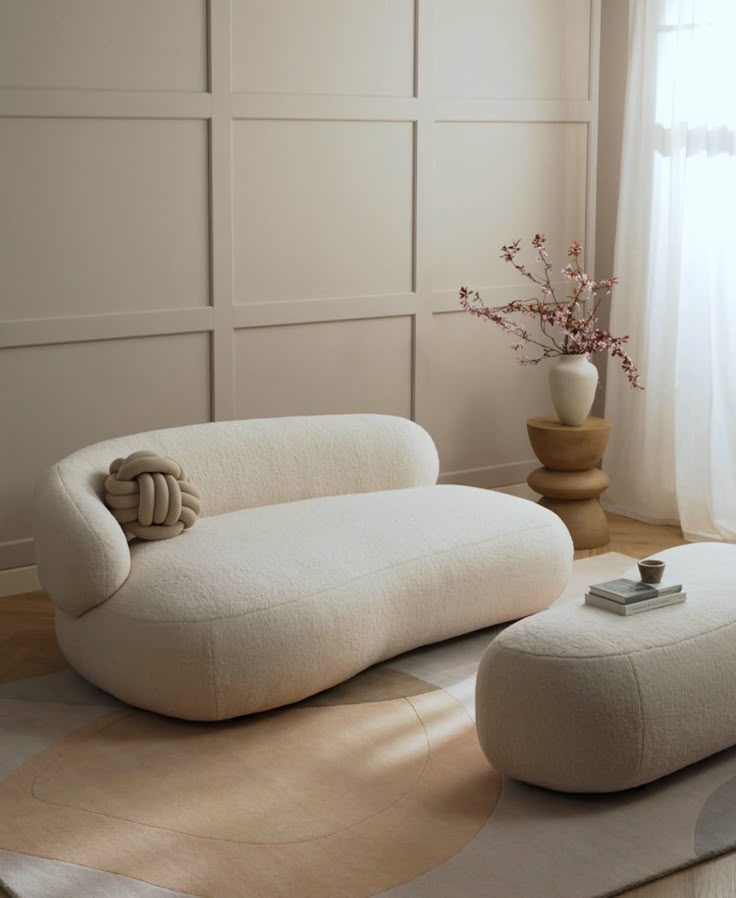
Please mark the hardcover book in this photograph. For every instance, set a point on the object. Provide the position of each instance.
(625, 590)
(634, 607)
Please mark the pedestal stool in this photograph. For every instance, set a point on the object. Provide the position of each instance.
(569, 482)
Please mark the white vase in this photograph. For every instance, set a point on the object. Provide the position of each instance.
(573, 382)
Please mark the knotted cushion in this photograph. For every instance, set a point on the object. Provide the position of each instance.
(150, 496)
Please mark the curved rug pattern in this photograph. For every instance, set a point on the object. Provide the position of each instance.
(376, 787)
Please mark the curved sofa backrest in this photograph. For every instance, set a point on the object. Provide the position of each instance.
(82, 554)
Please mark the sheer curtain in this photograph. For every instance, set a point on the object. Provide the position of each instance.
(673, 452)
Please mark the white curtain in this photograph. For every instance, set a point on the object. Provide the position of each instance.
(673, 448)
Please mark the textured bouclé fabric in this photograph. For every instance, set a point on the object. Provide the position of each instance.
(581, 700)
(81, 551)
(352, 558)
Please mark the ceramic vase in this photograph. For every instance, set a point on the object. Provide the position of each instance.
(572, 382)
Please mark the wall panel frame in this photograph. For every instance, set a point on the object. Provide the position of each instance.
(221, 107)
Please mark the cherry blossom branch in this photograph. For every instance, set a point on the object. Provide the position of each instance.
(578, 334)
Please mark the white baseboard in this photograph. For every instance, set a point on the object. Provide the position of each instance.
(521, 490)
(493, 477)
(18, 580)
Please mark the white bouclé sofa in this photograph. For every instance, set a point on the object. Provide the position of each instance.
(324, 546)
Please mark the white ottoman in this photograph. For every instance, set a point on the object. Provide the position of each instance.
(581, 700)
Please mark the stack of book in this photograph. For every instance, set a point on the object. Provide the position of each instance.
(625, 596)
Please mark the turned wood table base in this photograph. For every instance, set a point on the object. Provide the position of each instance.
(569, 482)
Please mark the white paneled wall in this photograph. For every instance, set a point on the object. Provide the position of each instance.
(103, 215)
(492, 180)
(362, 48)
(244, 208)
(104, 44)
(326, 367)
(321, 209)
(519, 50)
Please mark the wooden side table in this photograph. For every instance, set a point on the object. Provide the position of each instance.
(569, 482)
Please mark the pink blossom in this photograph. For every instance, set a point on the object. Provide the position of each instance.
(508, 252)
(562, 330)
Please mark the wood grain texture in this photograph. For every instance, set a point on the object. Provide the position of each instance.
(27, 642)
(569, 483)
(712, 879)
(584, 518)
(636, 539)
(568, 448)
(28, 648)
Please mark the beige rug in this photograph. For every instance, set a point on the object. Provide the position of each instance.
(377, 787)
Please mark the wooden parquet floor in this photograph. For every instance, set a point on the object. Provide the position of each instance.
(28, 648)
(27, 643)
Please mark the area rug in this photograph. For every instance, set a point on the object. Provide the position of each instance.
(377, 787)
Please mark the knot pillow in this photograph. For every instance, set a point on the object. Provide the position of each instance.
(150, 497)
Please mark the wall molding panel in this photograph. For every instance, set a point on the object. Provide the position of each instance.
(279, 236)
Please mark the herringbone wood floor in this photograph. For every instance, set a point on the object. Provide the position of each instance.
(28, 648)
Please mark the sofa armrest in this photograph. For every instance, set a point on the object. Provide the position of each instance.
(81, 551)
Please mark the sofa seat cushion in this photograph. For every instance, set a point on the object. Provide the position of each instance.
(258, 608)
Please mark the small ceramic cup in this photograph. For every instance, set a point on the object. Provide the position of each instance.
(651, 570)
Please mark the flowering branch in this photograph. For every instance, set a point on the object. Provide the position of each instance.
(576, 334)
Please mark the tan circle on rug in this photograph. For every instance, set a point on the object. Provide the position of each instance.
(339, 801)
(326, 769)
(377, 684)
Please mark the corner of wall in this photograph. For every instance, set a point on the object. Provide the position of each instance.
(611, 98)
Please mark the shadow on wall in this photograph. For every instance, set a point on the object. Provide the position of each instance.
(612, 95)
